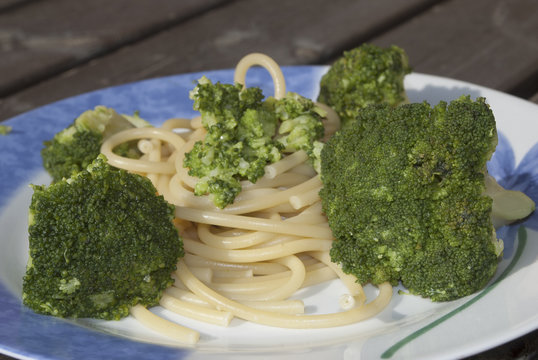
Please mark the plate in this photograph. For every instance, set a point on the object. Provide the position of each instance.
(410, 327)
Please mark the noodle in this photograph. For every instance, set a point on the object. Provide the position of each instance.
(258, 268)
(284, 320)
(146, 166)
(349, 281)
(253, 223)
(287, 163)
(247, 259)
(261, 254)
(165, 327)
(177, 123)
(319, 276)
(231, 242)
(277, 290)
(269, 64)
(187, 296)
(290, 307)
(301, 200)
(195, 311)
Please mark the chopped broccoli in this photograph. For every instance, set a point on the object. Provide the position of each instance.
(101, 242)
(244, 134)
(238, 143)
(404, 190)
(363, 76)
(301, 123)
(74, 148)
(5, 129)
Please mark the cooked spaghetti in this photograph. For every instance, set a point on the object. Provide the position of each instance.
(247, 259)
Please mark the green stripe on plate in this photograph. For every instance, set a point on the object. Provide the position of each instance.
(522, 240)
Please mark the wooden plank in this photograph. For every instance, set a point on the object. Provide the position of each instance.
(10, 4)
(293, 32)
(46, 37)
(489, 42)
(525, 347)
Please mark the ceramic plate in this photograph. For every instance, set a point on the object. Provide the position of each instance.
(409, 327)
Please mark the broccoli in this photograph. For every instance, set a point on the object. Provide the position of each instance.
(100, 242)
(301, 123)
(405, 193)
(363, 76)
(244, 134)
(74, 148)
(5, 129)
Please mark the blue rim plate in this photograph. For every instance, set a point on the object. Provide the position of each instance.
(408, 328)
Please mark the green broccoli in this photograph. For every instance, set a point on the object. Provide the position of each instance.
(404, 190)
(5, 129)
(100, 242)
(74, 148)
(244, 134)
(363, 76)
(301, 123)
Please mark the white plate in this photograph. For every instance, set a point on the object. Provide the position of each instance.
(409, 328)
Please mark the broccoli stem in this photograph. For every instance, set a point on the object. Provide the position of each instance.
(508, 205)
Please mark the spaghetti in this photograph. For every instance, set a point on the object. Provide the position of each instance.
(247, 259)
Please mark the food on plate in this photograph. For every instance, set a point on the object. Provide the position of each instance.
(363, 76)
(74, 148)
(405, 193)
(246, 259)
(243, 182)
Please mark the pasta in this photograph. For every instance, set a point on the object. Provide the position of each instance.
(247, 259)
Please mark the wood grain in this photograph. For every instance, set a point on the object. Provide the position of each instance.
(493, 43)
(6, 5)
(293, 32)
(44, 38)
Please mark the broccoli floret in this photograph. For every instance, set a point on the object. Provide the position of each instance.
(244, 134)
(100, 242)
(404, 190)
(74, 148)
(5, 129)
(363, 76)
(301, 123)
(315, 155)
(238, 143)
(221, 105)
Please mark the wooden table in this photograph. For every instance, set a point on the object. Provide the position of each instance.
(52, 49)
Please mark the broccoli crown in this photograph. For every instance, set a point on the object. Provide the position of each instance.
(69, 152)
(100, 242)
(75, 147)
(244, 134)
(404, 195)
(363, 76)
